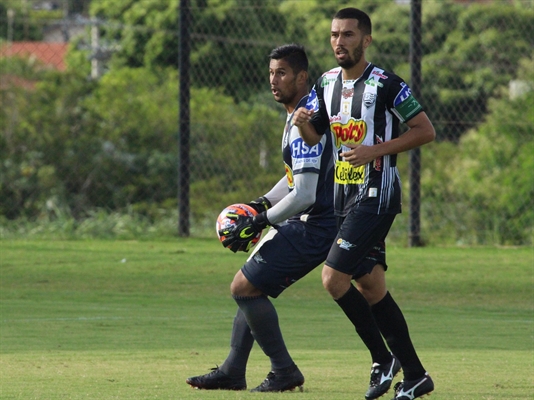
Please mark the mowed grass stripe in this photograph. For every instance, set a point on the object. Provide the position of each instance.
(131, 320)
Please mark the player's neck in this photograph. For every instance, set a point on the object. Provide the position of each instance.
(356, 71)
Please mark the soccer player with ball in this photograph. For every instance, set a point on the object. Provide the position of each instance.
(299, 210)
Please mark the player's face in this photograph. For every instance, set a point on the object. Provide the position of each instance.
(347, 41)
(283, 81)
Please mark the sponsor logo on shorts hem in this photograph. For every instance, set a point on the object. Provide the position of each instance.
(343, 244)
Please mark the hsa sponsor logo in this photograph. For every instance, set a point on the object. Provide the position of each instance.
(299, 149)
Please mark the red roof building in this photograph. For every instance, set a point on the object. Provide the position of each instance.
(51, 55)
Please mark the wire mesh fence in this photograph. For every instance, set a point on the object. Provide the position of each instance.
(90, 112)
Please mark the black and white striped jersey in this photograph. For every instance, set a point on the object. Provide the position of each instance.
(364, 111)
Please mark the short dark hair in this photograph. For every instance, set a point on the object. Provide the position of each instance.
(294, 54)
(364, 22)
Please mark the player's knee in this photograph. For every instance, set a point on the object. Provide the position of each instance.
(369, 295)
(331, 282)
(326, 278)
(240, 286)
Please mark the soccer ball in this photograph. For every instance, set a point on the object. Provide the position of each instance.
(224, 222)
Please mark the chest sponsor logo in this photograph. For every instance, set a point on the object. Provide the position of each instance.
(369, 99)
(300, 150)
(346, 174)
(352, 132)
(373, 83)
(379, 74)
(327, 81)
(347, 92)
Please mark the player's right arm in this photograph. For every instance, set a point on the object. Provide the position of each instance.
(301, 119)
(312, 120)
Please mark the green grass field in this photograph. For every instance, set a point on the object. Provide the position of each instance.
(132, 320)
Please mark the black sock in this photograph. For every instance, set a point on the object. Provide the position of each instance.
(392, 324)
(359, 313)
(263, 322)
(240, 346)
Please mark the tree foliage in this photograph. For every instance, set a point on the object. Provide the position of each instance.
(490, 173)
(72, 145)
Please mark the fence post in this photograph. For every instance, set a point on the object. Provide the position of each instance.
(184, 124)
(415, 154)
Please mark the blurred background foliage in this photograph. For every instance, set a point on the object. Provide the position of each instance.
(75, 147)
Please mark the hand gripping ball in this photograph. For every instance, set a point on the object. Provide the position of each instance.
(224, 222)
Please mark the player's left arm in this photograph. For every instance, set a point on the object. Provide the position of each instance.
(278, 191)
(301, 197)
(246, 228)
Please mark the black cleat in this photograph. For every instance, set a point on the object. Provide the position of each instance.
(381, 378)
(409, 390)
(217, 379)
(284, 379)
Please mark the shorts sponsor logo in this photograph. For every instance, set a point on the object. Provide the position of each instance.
(353, 132)
(343, 244)
(258, 258)
(346, 174)
(289, 282)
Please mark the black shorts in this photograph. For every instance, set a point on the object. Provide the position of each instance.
(284, 256)
(360, 243)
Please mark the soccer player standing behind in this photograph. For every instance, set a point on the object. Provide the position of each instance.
(362, 105)
(300, 209)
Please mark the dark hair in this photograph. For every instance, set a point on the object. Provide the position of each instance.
(294, 54)
(364, 22)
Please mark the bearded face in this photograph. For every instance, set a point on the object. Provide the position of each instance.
(352, 58)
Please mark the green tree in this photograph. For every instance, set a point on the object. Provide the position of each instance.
(112, 144)
(23, 26)
(480, 54)
(230, 39)
(44, 144)
(489, 173)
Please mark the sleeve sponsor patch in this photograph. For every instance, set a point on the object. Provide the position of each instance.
(405, 104)
(312, 103)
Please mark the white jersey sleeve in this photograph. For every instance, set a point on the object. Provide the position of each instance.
(301, 197)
